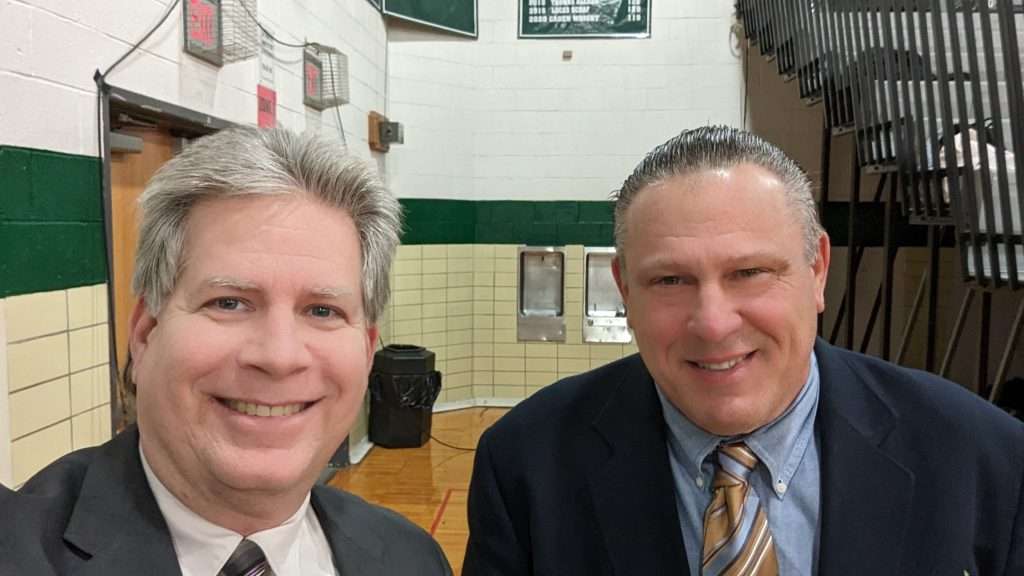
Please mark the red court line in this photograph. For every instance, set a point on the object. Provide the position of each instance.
(440, 511)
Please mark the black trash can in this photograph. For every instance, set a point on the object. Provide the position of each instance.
(403, 388)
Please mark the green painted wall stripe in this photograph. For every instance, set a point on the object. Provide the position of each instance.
(507, 222)
(51, 221)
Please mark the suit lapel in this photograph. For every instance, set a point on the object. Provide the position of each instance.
(866, 492)
(116, 524)
(356, 550)
(632, 490)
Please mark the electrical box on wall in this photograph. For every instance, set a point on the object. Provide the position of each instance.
(383, 132)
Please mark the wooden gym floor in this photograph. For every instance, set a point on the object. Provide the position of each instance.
(428, 485)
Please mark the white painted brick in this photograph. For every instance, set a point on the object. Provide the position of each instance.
(67, 52)
(62, 43)
(26, 98)
(15, 35)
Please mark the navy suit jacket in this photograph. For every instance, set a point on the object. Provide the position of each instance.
(918, 476)
(92, 513)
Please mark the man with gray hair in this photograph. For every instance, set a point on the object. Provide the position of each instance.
(261, 272)
(735, 442)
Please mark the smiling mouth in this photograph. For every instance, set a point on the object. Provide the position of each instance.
(720, 366)
(264, 410)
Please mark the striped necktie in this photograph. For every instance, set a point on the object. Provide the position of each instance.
(737, 541)
(247, 560)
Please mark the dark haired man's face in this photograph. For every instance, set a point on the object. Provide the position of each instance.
(720, 295)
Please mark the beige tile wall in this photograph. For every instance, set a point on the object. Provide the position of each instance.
(57, 375)
(459, 301)
(5, 429)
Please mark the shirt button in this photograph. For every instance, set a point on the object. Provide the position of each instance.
(700, 481)
(780, 487)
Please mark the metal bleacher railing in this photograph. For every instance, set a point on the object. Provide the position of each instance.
(932, 90)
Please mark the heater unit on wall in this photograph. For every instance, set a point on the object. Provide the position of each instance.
(220, 31)
(325, 77)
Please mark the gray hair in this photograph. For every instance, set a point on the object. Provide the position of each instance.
(716, 148)
(245, 161)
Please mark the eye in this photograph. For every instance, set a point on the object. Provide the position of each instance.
(750, 272)
(321, 311)
(228, 304)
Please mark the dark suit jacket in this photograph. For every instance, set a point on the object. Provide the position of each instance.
(92, 513)
(918, 476)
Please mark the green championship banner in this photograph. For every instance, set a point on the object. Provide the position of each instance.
(585, 18)
(457, 16)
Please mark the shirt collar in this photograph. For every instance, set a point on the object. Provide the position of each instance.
(203, 547)
(780, 444)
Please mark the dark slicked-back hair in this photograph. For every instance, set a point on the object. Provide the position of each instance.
(718, 148)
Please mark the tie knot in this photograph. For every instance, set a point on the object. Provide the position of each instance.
(737, 460)
(247, 560)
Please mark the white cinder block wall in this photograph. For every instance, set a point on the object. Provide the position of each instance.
(50, 49)
(53, 394)
(519, 123)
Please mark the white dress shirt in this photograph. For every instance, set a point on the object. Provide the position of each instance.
(296, 547)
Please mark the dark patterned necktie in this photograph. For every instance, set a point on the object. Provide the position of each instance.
(737, 541)
(247, 560)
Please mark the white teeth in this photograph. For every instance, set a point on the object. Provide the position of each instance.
(263, 409)
(721, 365)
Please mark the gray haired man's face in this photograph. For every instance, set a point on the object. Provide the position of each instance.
(255, 368)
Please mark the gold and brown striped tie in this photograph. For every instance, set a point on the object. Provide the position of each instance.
(737, 541)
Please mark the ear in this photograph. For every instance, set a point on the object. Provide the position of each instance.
(142, 325)
(821, 270)
(618, 272)
(372, 333)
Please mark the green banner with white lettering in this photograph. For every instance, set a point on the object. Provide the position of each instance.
(585, 18)
(458, 16)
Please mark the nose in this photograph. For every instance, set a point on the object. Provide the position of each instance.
(277, 345)
(715, 317)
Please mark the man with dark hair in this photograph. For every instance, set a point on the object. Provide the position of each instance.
(261, 273)
(736, 442)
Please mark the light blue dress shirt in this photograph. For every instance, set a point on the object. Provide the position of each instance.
(788, 482)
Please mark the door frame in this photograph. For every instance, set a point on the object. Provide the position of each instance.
(112, 102)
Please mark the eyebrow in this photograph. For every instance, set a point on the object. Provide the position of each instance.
(757, 256)
(668, 261)
(246, 286)
(229, 282)
(331, 292)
